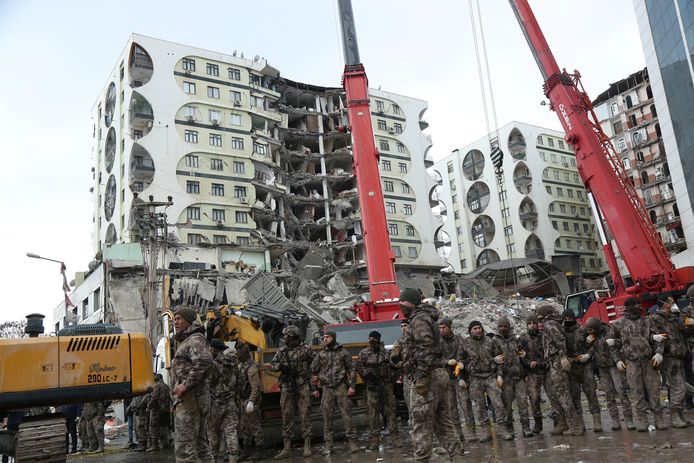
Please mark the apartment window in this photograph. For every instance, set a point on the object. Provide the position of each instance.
(380, 106)
(189, 88)
(463, 263)
(412, 251)
(398, 127)
(579, 245)
(237, 143)
(566, 226)
(452, 185)
(212, 69)
(393, 228)
(257, 102)
(138, 186)
(511, 248)
(556, 175)
(401, 148)
(450, 167)
(562, 208)
(573, 162)
(551, 207)
(254, 79)
(508, 231)
(239, 167)
(406, 188)
(506, 212)
(568, 244)
(576, 228)
(576, 178)
(193, 213)
(503, 195)
(567, 177)
(217, 189)
(235, 119)
(554, 225)
(585, 228)
(539, 140)
(454, 199)
(396, 251)
(573, 210)
(408, 209)
(403, 167)
(234, 74)
(560, 192)
(388, 185)
(549, 189)
(621, 145)
(409, 230)
(194, 238)
(617, 127)
(234, 95)
(213, 92)
(241, 216)
(384, 145)
(381, 124)
(561, 144)
(215, 139)
(396, 110)
(219, 239)
(188, 64)
(545, 173)
(592, 262)
(215, 116)
(240, 192)
(385, 165)
(259, 148)
(191, 136)
(543, 156)
(553, 157)
(459, 230)
(243, 240)
(216, 164)
(550, 142)
(189, 112)
(218, 215)
(390, 208)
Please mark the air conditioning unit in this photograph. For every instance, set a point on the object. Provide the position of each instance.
(566, 164)
(187, 72)
(215, 122)
(391, 129)
(243, 200)
(150, 124)
(190, 118)
(220, 224)
(237, 103)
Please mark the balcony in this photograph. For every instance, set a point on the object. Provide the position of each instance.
(428, 160)
(528, 214)
(535, 253)
(522, 180)
(141, 67)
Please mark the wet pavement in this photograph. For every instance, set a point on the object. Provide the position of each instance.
(608, 446)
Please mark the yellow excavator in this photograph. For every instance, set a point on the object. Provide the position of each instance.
(81, 363)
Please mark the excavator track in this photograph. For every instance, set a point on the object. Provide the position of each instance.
(41, 439)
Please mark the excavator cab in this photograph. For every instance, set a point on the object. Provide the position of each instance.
(579, 303)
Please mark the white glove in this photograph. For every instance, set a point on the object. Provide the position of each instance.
(621, 366)
(656, 360)
(659, 337)
(249, 407)
(462, 383)
(590, 338)
(583, 358)
(452, 362)
(499, 359)
(675, 309)
(609, 342)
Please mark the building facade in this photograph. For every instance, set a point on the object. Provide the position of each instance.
(539, 209)
(251, 160)
(666, 34)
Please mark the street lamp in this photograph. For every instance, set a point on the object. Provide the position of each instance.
(66, 287)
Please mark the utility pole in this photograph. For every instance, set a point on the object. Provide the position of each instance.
(153, 238)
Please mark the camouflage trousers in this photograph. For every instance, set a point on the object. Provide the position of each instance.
(515, 389)
(644, 386)
(430, 417)
(83, 433)
(374, 401)
(406, 386)
(557, 388)
(673, 368)
(582, 378)
(142, 428)
(190, 422)
(613, 384)
(332, 396)
(535, 383)
(222, 429)
(95, 431)
(249, 424)
(155, 425)
(465, 402)
(301, 401)
(479, 386)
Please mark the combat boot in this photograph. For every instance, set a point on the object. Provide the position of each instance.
(676, 419)
(659, 421)
(641, 423)
(576, 428)
(686, 420)
(537, 427)
(630, 423)
(141, 447)
(560, 427)
(328, 449)
(286, 451)
(233, 459)
(154, 446)
(470, 433)
(525, 426)
(597, 422)
(100, 448)
(307, 447)
(374, 442)
(353, 446)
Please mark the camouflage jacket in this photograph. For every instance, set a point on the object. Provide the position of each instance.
(450, 347)
(224, 378)
(553, 340)
(373, 366)
(687, 331)
(576, 345)
(137, 406)
(633, 336)
(605, 356)
(532, 345)
(398, 358)
(424, 341)
(192, 362)
(249, 381)
(512, 367)
(333, 366)
(675, 346)
(294, 365)
(478, 356)
(160, 397)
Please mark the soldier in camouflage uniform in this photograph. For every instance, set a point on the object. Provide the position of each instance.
(137, 407)
(158, 404)
(332, 368)
(191, 368)
(374, 368)
(450, 345)
(636, 352)
(478, 354)
(554, 344)
(612, 379)
(533, 361)
(250, 396)
(428, 400)
(515, 387)
(223, 421)
(95, 426)
(581, 376)
(293, 361)
(396, 359)
(666, 325)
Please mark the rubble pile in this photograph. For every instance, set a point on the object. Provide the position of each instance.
(488, 310)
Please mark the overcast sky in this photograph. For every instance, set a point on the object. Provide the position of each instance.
(57, 56)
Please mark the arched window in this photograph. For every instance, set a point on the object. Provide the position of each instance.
(628, 102)
(654, 113)
(657, 130)
(639, 156)
(654, 217)
(644, 177)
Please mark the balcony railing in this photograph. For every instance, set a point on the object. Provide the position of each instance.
(527, 215)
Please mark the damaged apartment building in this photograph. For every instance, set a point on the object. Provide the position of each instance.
(258, 167)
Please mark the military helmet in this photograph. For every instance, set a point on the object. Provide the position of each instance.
(291, 330)
(593, 323)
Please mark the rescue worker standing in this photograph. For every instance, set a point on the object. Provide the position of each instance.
(293, 361)
(530, 342)
(332, 368)
(250, 398)
(428, 402)
(396, 359)
(450, 344)
(374, 369)
(223, 420)
(159, 401)
(191, 368)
